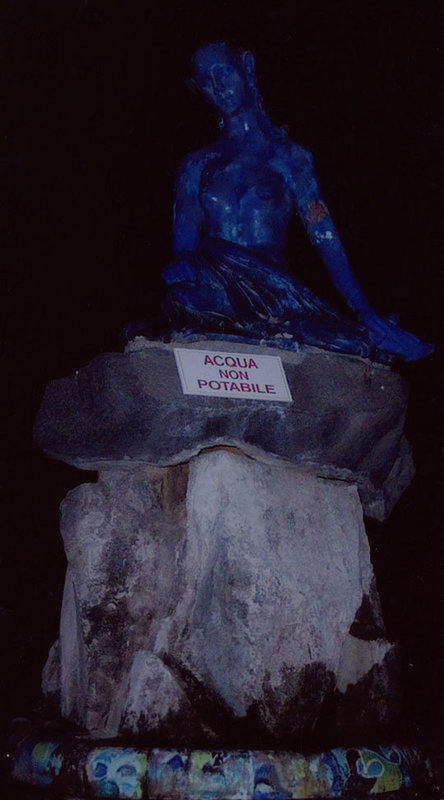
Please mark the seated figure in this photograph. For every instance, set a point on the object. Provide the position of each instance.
(233, 204)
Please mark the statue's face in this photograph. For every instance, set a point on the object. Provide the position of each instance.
(219, 76)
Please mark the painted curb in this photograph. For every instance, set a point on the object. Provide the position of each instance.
(76, 766)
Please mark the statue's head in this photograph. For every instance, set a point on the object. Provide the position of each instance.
(225, 77)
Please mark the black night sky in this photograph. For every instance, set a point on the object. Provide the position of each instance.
(97, 114)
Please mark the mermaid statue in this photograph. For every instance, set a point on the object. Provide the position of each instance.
(232, 209)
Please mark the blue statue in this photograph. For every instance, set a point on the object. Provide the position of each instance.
(233, 205)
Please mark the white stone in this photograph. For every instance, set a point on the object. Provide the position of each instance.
(229, 580)
(276, 566)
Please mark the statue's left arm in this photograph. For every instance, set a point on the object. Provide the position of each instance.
(323, 235)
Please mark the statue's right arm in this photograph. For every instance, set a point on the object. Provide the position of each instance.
(187, 221)
(319, 225)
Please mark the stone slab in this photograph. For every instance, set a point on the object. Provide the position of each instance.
(346, 419)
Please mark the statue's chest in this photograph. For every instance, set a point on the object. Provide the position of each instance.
(245, 183)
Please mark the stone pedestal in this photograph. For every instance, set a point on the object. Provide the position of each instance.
(219, 586)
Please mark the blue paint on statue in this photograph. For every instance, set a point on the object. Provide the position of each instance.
(233, 206)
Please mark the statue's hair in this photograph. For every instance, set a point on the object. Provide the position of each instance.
(250, 77)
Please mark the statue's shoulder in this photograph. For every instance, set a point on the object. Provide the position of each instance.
(189, 174)
(299, 156)
(297, 166)
(193, 163)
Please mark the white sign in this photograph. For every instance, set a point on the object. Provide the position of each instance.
(242, 376)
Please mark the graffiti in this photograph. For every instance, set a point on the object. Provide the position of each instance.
(116, 772)
(119, 772)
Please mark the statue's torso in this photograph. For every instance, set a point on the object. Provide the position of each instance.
(245, 197)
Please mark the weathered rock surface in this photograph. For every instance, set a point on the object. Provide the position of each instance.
(219, 587)
(345, 422)
(227, 600)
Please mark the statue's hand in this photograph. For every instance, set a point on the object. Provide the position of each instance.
(388, 336)
(178, 271)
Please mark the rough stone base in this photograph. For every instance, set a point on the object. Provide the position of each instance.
(226, 600)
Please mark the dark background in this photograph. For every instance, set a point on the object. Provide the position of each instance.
(96, 116)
